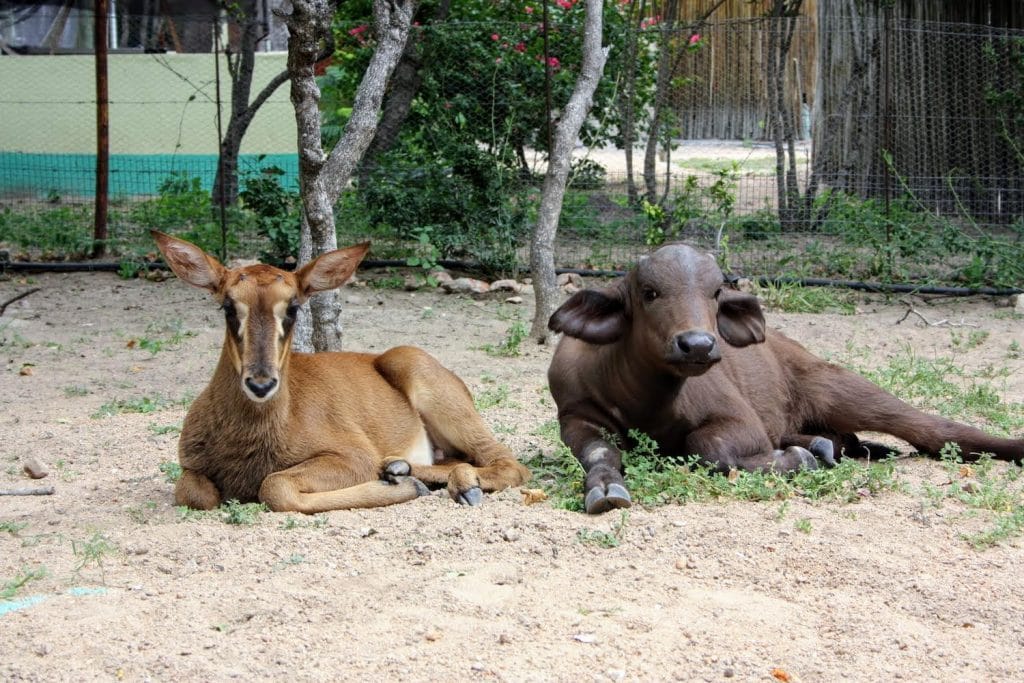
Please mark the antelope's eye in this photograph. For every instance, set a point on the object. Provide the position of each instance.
(649, 294)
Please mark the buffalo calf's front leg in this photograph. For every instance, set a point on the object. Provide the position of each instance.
(604, 485)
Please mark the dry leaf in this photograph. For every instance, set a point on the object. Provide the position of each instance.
(131, 344)
(966, 471)
(733, 474)
(531, 496)
(781, 675)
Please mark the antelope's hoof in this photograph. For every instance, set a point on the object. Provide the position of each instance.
(612, 497)
(396, 468)
(471, 496)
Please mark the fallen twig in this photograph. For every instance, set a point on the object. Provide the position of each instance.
(941, 323)
(4, 305)
(42, 491)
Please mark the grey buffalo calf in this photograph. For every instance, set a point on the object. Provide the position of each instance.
(670, 351)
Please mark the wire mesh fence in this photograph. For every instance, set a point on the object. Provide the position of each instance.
(856, 148)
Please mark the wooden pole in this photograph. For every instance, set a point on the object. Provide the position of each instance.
(99, 244)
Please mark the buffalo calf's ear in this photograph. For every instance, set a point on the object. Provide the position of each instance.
(593, 316)
(740, 318)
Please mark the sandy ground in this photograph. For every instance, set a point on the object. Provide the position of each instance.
(129, 589)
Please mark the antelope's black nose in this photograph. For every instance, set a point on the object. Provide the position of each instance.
(695, 346)
(260, 388)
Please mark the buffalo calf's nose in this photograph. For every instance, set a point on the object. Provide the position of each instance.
(260, 388)
(697, 346)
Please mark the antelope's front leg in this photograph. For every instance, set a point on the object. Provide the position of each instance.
(330, 481)
(196, 491)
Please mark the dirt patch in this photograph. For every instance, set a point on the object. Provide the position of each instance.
(879, 590)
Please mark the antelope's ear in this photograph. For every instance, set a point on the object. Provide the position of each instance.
(330, 270)
(740, 318)
(596, 316)
(189, 262)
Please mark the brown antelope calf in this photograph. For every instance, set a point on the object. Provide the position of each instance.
(323, 431)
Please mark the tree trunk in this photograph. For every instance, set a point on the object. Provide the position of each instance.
(322, 178)
(241, 67)
(542, 244)
(663, 81)
(405, 84)
(627, 104)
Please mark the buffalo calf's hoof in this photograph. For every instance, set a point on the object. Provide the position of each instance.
(600, 500)
(822, 449)
(792, 459)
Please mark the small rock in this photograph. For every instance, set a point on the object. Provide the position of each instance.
(354, 299)
(34, 468)
(686, 563)
(433, 635)
(574, 279)
(466, 285)
(41, 649)
(441, 276)
(412, 283)
(505, 286)
(728, 672)
(478, 666)
(616, 674)
(1018, 304)
(970, 486)
(511, 534)
(514, 300)
(366, 531)
(505, 639)
(585, 638)
(745, 285)
(241, 263)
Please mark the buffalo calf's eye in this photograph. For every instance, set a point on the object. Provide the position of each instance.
(650, 294)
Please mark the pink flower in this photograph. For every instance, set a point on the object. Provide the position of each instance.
(564, 4)
(528, 9)
(497, 60)
(495, 37)
(553, 62)
(357, 30)
(520, 47)
(694, 39)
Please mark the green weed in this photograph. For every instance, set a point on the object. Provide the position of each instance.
(160, 430)
(510, 345)
(314, 522)
(605, 539)
(491, 397)
(171, 471)
(144, 405)
(971, 340)
(795, 298)
(12, 527)
(12, 586)
(233, 512)
(803, 525)
(73, 391)
(141, 514)
(92, 552)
